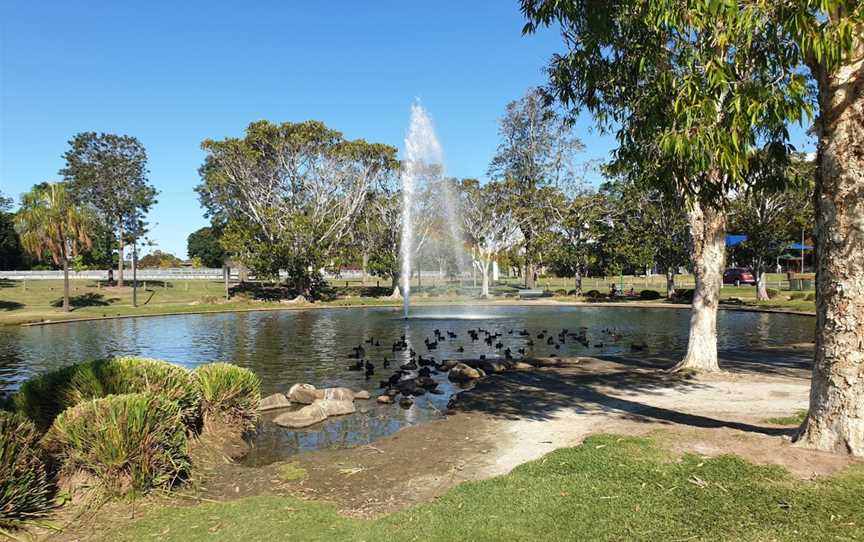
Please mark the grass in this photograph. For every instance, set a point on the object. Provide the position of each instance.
(609, 488)
(794, 420)
(229, 391)
(131, 442)
(292, 472)
(44, 397)
(33, 301)
(25, 488)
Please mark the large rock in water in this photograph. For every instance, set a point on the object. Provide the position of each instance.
(336, 394)
(463, 373)
(272, 402)
(362, 394)
(336, 408)
(304, 394)
(304, 417)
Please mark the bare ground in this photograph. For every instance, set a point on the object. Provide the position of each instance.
(514, 417)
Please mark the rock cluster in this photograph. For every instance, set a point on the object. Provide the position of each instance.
(318, 405)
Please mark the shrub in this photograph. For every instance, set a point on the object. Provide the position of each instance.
(43, 398)
(593, 294)
(230, 391)
(135, 441)
(810, 297)
(797, 295)
(649, 295)
(772, 292)
(561, 292)
(25, 491)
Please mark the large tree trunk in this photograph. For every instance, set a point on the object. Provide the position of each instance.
(670, 282)
(708, 231)
(835, 421)
(66, 306)
(578, 279)
(761, 285)
(120, 247)
(484, 269)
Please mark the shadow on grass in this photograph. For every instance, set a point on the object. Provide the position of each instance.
(10, 305)
(7, 283)
(89, 299)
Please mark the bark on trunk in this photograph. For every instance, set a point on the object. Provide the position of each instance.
(529, 276)
(761, 286)
(120, 247)
(578, 282)
(66, 306)
(835, 421)
(708, 231)
(484, 291)
(670, 283)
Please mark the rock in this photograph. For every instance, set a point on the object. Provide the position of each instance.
(304, 417)
(336, 408)
(522, 366)
(304, 394)
(272, 402)
(462, 373)
(406, 402)
(337, 394)
(448, 364)
(392, 392)
(362, 394)
(495, 367)
(547, 362)
(385, 399)
(427, 382)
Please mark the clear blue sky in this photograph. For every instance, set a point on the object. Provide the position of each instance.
(176, 73)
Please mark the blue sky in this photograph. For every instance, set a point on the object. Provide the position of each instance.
(176, 73)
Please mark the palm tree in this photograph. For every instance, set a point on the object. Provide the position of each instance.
(50, 224)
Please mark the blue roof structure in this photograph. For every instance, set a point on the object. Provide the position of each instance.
(734, 239)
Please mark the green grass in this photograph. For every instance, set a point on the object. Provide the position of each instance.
(795, 419)
(44, 397)
(229, 391)
(25, 489)
(609, 488)
(131, 442)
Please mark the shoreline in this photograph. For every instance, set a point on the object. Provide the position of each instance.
(548, 303)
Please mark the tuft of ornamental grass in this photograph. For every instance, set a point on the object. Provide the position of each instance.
(44, 397)
(230, 392)
(135, 441)
(25, 487)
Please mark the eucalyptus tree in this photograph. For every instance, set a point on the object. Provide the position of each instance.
(770, 210)
(490, 223)
(536, 151)
(680, 84)
(576, 226)
(52, 225)
(108, 172)
(289, 194)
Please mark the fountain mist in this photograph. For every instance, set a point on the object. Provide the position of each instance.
(422, 150)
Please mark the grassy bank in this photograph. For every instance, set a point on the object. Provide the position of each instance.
(36, 301)
(609, 488)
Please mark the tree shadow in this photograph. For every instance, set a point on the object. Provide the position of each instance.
(10, 305)
(539, 395)
(7, 283)
(90, 299)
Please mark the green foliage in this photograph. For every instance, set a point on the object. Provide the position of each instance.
(810, 297)
(684, 295)
(205, 245)
(797, 295)
(772, 293)
(593, 294)
(229, 391)
(51, 225)
(129, 442)
(44, 397)
(25, 489)
(11, 252)
(159, 259)
(796, 419)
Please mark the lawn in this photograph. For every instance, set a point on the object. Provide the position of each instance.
(38, 300)
(608, 488)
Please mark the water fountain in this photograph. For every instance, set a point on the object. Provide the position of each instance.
(422, 150)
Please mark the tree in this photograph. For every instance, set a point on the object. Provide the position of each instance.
(50, 224)
(576, 227)
(289, 194)
(158, 259)
(205, 245)
(11, 256)
(769, 211)
(686, 94)
(536, 151)
(109, 173)
(490, 225)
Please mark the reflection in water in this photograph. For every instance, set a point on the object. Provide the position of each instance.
(312, 346)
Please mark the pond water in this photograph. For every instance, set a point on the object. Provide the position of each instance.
(312, 346)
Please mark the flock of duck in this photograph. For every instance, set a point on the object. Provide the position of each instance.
(413, 378)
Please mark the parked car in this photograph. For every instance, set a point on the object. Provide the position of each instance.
(738, 275)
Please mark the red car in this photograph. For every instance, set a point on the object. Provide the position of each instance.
(738, 275)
